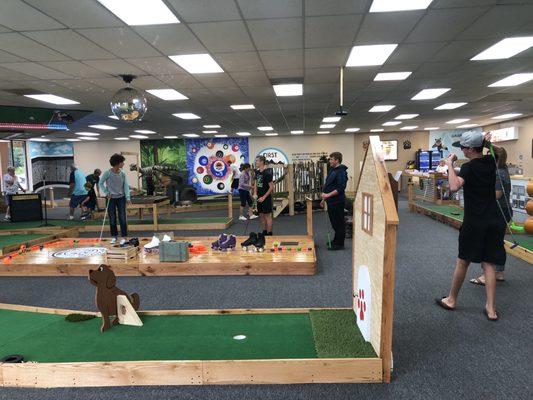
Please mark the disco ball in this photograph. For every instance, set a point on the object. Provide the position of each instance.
(129, 105)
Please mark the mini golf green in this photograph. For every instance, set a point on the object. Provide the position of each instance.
(525, 241)
(9, 240)
(49, 338)
(451, 211)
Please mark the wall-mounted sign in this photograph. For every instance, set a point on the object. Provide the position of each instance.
(274, 155)
(504, 134)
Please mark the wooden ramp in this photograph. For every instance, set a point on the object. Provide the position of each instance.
(296, 257)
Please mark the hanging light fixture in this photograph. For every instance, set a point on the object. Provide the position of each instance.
(128, 104)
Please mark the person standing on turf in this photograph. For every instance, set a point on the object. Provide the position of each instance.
(245, 184)
(482, 232)
(264, 185)
(11, 187)
(115, 187)
(77, 191)
(334, 197)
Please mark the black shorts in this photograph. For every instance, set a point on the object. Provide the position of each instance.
(483, 242)
(265, 207)
(235, 184)
(245, 197)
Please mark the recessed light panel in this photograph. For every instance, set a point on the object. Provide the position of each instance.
(392, 123)
(141, 12)
(243, 106)
(331, 119)
(392, 76)
(322, 133)
(221, 135)
(352, 130)
(243, 134)
(362, 56)
(209, 131)
(138, 136)
(186, 116)
(144, 131)
(513, 80)
(191, 135)
(409, 128)
(197, 63)
(431, 128)
(458, 120)
(450, 106)
(382, 108)
(112, 117)
(211, 126)
(88, 138)
(327, 126)
(87, 134)
(167, 94)
(51, 98)
(271, 134)
(170, 137)
(39, 140)
(505, 48)
(507, 116)
(73, 140)
(428, 94)
(407, 116)
(103, 127)
(122, 138)
(265, 128)
(377, 130)
(297, 132)
(288, 89)
(398, 5)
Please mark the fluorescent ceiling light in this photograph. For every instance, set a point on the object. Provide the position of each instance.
(505, 48)
(211, 126)
(513, 80)
(322, 132)
(190, 135)
(51, 98)
(450, 106)
(383, 108)
(467, 125)
(197, 63)
(141, 12)
(73, 140)
(243, 134)
(103, 127)
(327, 126)
(428, 94)
(265, 128)
(222, 135)
(138, 136)
(392, 123)
(167, 94)
(39, 140)
(331, 119)
(88, 138)
(112, 117)
(209, 131)
(377, 54)
(507, 116)
(170, 137)
(392, 76)
(297, 132)
(186, 116)
(377, 130)
(431, 128)
(87, 133)
(458, 120)
(122, 138)
(243, 106)
(407, 116)
(271, 134)
(399, 5)
(352, 130)
(409, 128)
(288, 89)
(144, 131)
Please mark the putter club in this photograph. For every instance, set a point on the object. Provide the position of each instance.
(103, 222)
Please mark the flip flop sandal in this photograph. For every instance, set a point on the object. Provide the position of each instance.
(476, 281)
(489, 318)
(440, 303)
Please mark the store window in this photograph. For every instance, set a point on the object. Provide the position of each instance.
(367, 219)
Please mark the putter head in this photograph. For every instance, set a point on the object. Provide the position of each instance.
(514, 245)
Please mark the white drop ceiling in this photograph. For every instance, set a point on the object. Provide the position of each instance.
(77, 49)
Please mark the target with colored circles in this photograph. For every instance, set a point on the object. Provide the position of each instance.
(211, 164)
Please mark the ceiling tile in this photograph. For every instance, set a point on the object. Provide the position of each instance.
(462, 3)
(22, 17)
(69, 43)
(87, 14)
(461, 50)
(183, 81)
(171, 39)
(36, 70)
(444, 24)
(282, 59)
(257, 9)
(399, 25)
(205, 10)
(114, 67)
(336, 7)
(240, 61)
(123, 42)
(340, 30)
(156, 65)
(75, 68)
(6, 57)
(278, 74)
(414, 52)
(326, 57)
(228, 36)
(215, 80)
(12, 75)
(21, 46)
(321, 75)
(277, 34)
(255, 78)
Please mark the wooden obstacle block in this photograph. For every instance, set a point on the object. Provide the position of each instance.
(122, 253)
(126, 314)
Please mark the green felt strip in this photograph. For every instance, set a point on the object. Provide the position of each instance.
(337, 336)
(9, 240)
(49, 338)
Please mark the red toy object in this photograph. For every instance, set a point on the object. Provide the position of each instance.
(197, 248)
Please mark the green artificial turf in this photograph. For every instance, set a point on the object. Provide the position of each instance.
(525, 241)
(444, 209)
(9, 240)
(337, 336)
(49, 338)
